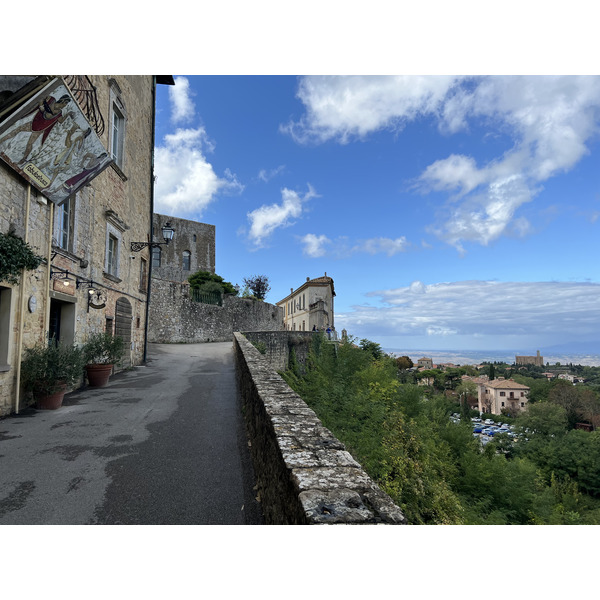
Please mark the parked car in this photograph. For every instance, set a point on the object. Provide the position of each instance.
(477, 428)
(489, 422)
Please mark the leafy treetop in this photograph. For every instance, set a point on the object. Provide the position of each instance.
(201, 278)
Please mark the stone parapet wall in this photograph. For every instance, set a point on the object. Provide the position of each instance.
(279, 345)
(304, 474)
(175, 318)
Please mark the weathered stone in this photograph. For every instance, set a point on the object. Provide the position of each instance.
(304, 474)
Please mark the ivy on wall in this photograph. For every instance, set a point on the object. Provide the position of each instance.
(15, 255)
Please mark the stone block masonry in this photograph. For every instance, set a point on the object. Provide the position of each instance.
(279, 345)
(175, 318)
(304, 474)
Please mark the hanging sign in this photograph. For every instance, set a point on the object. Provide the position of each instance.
(49, 141)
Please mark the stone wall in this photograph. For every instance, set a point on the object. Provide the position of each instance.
(190, 236)
(304, 474)
(279, 345)
(175, 318)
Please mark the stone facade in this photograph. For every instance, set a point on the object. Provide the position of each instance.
(89, 236)
(304, 474)
(501, 396)
(279, 345)
(192, 249)
(537, 360)
(176, 318)
(311, 305)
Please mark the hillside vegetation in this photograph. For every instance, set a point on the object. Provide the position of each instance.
(435, 469)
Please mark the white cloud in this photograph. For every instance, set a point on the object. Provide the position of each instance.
(550, 120)
(345, 107)
(489, 310)
(314, 245)
(182, 107)
(266, 175)
(186, 182)
(382, 245)
(267, 218)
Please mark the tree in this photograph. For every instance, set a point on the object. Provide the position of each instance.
(200, 278)
(404, 362)
(492, 373)
(372, 348)
(258, 285)
(465, 389)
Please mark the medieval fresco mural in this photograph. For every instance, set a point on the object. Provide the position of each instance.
(49, 141)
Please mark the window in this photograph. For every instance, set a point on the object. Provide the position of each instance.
(118, 122)
(186, 260)
(108, 328)
(503, 393)
(194, 238)
(522, 404)
(156, 257)
(114, 241)
(64, 219)
(113, 255)
(502, 403)
(118, 133)
(143, 275)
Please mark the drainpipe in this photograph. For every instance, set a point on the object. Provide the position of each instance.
(151, 220)
(22, 307)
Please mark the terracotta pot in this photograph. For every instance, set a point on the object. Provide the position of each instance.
(98, 375)
(50, 401)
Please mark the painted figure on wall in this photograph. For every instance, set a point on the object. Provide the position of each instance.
(48, 113)
(50, 142)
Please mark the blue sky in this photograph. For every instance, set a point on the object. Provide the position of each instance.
(452, 212)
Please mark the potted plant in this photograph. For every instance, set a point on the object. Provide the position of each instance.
(47, 370)
(102, 351)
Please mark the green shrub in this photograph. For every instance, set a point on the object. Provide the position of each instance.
(15, 255)
(104, 348)
(46, 368)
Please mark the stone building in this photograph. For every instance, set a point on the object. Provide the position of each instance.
(76, 184)
(501, 396)
(537, 360)
(192, 249)
(425, 363)
(310, 306)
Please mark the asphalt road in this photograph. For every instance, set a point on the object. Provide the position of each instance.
(160, 444)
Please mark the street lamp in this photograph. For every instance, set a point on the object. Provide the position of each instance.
(167, 231)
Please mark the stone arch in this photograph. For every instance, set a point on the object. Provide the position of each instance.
(123, 324)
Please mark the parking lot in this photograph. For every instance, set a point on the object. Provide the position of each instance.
(487, 429)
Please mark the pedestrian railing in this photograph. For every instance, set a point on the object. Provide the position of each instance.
(206, 297)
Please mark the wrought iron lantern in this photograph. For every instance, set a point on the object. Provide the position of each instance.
(167, 232)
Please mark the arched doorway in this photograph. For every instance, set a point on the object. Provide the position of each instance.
(123, 323)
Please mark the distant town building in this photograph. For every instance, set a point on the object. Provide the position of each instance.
(537, 360)
(502, 395)
(310, 306)
(425, 363)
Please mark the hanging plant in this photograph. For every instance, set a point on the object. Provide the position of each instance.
(16, 255)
